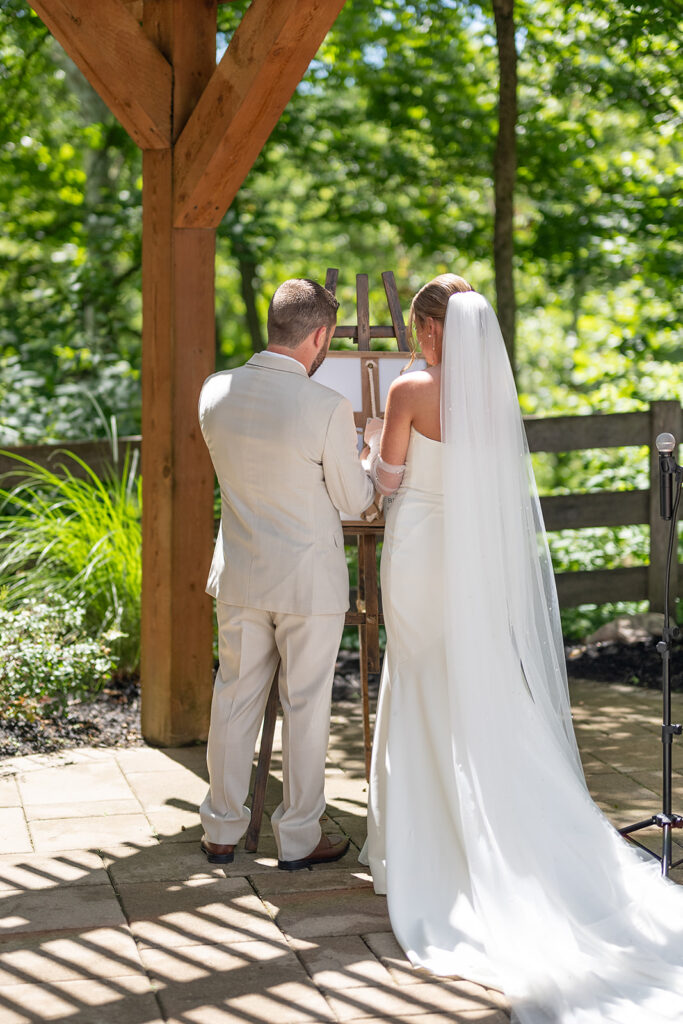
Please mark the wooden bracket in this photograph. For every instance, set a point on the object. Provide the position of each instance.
(265, 61)
(122, 64)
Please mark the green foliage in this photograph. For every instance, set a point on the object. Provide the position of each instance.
(76, 536)
(70, 191)
(579, 623)
(48, 658)
(382, 160)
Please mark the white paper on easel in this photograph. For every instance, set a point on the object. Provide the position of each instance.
(344, 376)
(389, 370)
(343, 373)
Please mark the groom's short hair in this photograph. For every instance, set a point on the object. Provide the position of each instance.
(298, 307)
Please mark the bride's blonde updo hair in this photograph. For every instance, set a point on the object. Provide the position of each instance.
(432, 300)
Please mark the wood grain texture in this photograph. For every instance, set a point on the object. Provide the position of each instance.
(602, 508)
(395, 311)
(265, 61)
(258, 799)
(178, 354)
(574, 433)
(600, 585)
(122, 64)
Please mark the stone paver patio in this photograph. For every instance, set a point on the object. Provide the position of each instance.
(109, 914)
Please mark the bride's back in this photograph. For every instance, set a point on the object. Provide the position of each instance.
(413, 401)
(426, 402)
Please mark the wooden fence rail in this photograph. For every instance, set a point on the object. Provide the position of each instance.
(611, 508)
(571, 511)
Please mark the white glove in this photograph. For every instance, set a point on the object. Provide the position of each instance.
(373, 432)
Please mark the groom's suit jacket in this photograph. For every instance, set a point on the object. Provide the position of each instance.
(285, 453)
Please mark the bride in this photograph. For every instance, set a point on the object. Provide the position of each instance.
(497, 865)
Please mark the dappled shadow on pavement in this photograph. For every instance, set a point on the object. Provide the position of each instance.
(136, 927)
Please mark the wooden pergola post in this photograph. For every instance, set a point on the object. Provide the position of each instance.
(200, 128)
(178, 345)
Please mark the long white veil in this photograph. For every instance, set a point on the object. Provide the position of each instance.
(578, 927)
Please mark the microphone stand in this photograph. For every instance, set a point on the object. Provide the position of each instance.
(666, 820)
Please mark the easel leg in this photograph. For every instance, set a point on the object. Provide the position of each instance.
(263, 767)
(368, 630)
(367, 737)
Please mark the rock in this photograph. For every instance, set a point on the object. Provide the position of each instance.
(629, 629)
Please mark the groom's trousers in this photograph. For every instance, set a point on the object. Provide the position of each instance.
(250, 641)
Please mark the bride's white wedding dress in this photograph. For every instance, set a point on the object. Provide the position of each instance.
(497, 865)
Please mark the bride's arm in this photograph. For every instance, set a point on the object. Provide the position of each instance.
(387, 460)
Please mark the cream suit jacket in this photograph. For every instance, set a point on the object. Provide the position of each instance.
(285, 453)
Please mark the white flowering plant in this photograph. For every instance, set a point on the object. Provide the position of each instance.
(47, 658)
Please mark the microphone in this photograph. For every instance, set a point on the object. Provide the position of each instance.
(665, 444)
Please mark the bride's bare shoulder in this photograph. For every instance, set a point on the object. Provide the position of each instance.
(415, 384)
(415, 379)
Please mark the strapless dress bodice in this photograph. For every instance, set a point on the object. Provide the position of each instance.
(423, 464)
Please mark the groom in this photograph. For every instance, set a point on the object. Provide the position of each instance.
(284, 450)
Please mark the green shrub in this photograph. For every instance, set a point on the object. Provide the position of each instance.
(78, 537)
(46, 657)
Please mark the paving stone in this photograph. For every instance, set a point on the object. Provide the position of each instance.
(97, 953)
(19, 766)
(83, 809)
(391, 956)
(180, 862)
(123, 1000)
(203, 910)
(9, 792)
(258, 981)
(484, 1016)
(355, 826)
(63, 909)
(175, 825)
(188, 853)
(89, 833)
(34, 871)
(174, 789)
(188, 963)
(100, 781)
(652, 780)
(341, 962)
(193, 757)
(347, 796)
(307, 915)
(322, 877)
(146, 759)
(161, 862)
(14, 833)
(394, 1002)
(627, 756)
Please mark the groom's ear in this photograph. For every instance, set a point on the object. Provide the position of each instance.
(320, 337)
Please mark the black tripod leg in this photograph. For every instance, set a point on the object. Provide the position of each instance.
(666, 850)
(638, 825)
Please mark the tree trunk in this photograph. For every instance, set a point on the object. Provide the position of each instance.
(247, 275)
(505, 169)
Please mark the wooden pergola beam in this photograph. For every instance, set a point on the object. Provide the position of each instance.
(265, 61)
(119, 60)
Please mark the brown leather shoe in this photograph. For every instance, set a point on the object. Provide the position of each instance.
(329, 849)
(216, 854)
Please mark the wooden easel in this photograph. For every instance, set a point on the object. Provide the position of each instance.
(365, 612)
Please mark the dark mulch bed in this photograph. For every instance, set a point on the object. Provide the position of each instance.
(112, 718)
(638, 664)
